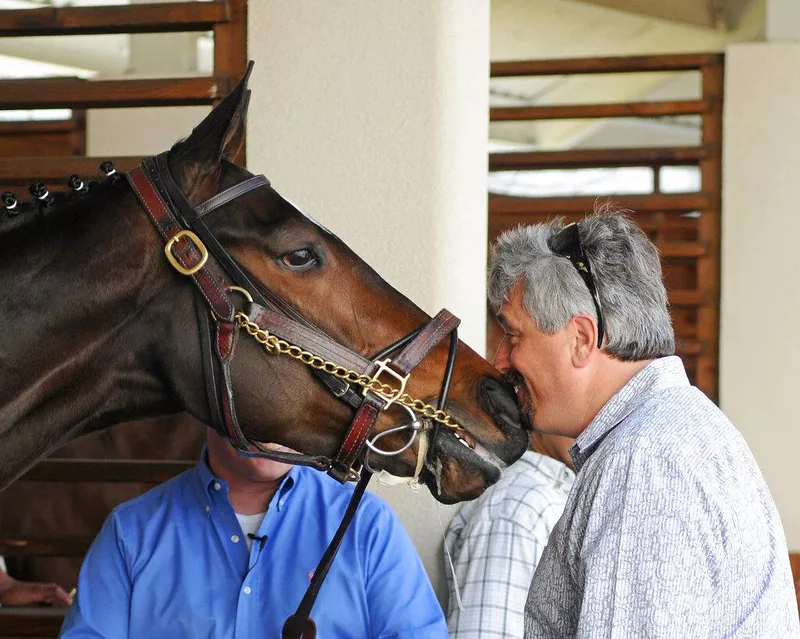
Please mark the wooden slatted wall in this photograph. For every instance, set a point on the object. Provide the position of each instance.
(50, 151)
(689, 244)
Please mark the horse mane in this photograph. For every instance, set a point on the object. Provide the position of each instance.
(32, 210)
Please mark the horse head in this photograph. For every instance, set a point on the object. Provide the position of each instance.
(126, 340)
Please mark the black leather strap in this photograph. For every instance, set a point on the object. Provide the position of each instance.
(228, 195)
(300, 625)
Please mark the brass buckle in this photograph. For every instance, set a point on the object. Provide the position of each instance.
(174, 261)
(383, 367)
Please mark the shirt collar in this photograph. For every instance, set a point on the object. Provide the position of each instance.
(662, 373)
(208, 480)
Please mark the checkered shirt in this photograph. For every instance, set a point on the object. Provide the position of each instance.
(496, 542)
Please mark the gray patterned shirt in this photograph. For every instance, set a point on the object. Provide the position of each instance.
(669, 531)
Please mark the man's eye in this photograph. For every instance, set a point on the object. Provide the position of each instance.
(300, 259)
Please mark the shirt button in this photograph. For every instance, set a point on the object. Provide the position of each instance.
(208, 508)
(247, 590)
(235, 539)
(217, 485)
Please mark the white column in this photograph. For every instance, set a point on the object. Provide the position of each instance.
(783, 20)
(371, 115)
(759, 339)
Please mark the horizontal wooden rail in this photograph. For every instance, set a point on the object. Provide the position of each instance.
(500, 205)
(53, 168)
(613, 110)
(40, 126)
(137, 18)
(596, 158)
(31, 622)
(96, 470)
(687, 297)
(682, 249)
(645, 220)
(16, 546)
(628, 64)
(83, 94)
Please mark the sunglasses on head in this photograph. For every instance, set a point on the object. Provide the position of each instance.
(567, 243)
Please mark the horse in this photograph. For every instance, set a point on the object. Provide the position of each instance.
(103, 323)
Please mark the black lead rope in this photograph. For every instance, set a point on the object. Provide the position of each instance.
(300, 625)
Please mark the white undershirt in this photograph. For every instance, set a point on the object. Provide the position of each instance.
(250, 524)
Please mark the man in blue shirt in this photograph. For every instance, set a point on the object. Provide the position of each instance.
(227, 550)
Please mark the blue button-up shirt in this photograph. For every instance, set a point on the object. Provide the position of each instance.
(173, 563)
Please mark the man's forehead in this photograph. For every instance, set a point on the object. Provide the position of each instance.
(506, 314)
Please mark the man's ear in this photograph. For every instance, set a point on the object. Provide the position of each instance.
(583, 336)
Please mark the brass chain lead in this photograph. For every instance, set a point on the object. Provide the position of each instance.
(275, 345)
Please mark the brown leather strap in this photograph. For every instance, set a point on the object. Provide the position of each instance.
(208, 279)
(414, 352)
(308, 339)
(300, 625)
(342, 465)
(434, 332)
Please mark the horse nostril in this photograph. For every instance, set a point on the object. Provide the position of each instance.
(498, 399)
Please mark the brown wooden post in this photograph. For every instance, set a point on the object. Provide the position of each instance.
(709, 229)
(230, 48)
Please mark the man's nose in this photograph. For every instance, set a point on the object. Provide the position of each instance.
(502, 359)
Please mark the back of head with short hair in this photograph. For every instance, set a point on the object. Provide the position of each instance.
(627, 272)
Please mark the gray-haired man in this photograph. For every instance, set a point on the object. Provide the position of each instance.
(670, 529)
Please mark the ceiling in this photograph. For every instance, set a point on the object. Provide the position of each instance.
(702, 13)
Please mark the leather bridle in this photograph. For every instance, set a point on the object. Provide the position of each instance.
(193, 250)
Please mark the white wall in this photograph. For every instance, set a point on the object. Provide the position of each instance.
(759, 339)
(372, 117)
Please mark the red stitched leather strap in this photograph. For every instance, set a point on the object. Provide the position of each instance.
(415, 351)
(208, 279)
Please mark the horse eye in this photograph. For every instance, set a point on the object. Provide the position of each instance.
(300, 259)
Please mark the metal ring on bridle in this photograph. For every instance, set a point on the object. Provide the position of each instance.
(242, 291)
(415, 427)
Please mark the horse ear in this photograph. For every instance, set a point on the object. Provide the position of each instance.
(218, 137)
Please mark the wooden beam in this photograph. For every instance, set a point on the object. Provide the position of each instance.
(39, 126)
(16, 546)
(596, 158)
(137, 18)
(688, 347)
(50, 168)
(650, 222)
(73, 93)
(501, 205)
(616, 110)
(710, 232)
(627, 64)
(794, 562)
(687, 297)
(101, 470)
(230, 51)
(686, 249)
